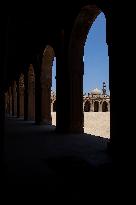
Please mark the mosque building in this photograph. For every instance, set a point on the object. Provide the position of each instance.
(95, 101)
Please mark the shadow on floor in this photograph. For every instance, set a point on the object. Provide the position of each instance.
(36, 155)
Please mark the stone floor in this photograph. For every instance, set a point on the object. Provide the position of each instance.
(36, 155)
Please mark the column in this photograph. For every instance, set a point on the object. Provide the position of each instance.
(83, 106)
(10, 101)
(52, 106)
(21, 95)
(108, 106)
(14, 99)
(62, 85)
(31, 93)
(26, 94)
(69, 89)
(46, 82)
(6, 103)
(92, 106)
(100, 106)
(46, 103)
(37, 68)
(114, 81)
(18, 100)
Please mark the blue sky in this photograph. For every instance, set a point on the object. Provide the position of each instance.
(96, 60)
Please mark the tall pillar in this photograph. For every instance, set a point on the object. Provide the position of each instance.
(2, 123)
(18, 100)
(52, 106)
(100, 106)
(14, 99)
(21, 95)
(6, 103)
(10, 101)
(46, 83)
(76, 111)
(46, 103)
(114, 83)
(69, 90)
(76, 70)
(26, 94)
(92, 106)
(37, 66)
(31, 93)
(62, 98)
(108, 106)
(3, 76)
(83, 106)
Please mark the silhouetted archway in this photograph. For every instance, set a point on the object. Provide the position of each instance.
(87, 106)
(79, 34)
(105, 107)
(96, 106)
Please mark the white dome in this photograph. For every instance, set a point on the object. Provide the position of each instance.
(96, 92)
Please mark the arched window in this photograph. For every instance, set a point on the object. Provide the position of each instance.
(87, 106)
(96, 106)
(105, 107)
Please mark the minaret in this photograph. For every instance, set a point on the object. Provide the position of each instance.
(104, 88)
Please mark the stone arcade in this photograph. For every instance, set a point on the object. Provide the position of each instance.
(29, 43)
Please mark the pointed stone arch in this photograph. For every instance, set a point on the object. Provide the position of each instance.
(78, 37)
(104, 106)
(96, 106)
(87, 106)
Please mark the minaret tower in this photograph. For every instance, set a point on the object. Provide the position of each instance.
(104, 88)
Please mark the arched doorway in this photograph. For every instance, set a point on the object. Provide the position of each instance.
(79, 34)
(87, 106)
(46, 83)
(105, 107)
(96, 106)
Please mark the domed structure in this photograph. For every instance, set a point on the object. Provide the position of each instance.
(95, 101)
(96, 91)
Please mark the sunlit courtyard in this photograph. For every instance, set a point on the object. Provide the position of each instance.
(95, 123)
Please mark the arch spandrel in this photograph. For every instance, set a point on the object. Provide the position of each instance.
(82, 25)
